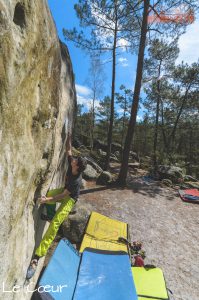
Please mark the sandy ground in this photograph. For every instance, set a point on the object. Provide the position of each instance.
(167, 227)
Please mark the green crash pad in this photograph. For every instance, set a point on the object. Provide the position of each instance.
(149, 283)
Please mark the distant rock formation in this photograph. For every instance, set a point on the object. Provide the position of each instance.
(37, 100)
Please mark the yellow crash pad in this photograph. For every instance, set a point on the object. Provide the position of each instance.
(149, 282)
(103, 233)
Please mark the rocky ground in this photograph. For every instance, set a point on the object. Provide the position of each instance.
(167, 227)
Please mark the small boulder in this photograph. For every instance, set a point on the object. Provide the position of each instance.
(93, 163)
(117, 154)
(116, 147)
(101, 152)
(113, 158)
(167, 182)
(90, 173)
(175, 174)
(104, 178)
(133, 155)
(83, 186)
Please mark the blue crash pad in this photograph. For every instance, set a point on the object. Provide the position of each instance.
(105, 275)
(62, 270)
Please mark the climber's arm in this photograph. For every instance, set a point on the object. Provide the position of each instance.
(56, 198)
(69, 145)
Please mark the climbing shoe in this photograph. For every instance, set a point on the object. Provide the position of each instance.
(46, 218)
(32, 268)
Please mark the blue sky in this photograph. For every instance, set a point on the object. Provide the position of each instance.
(65, 17)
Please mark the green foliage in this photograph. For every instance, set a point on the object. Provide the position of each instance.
(169, 130)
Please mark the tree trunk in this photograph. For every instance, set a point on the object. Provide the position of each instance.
(163, 129)
(110, 131)
(131, 127)
(123, 126)
(172, 136)
(93, 121)
(156, 123)
(156, 128)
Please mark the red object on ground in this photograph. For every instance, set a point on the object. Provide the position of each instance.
(139, 261)
(189, 195)
(193, 192)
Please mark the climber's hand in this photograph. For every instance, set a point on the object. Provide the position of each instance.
(43, 200)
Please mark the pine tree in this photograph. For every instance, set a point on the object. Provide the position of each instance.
(159, 65)
(112, 25)
(172, 28)
(124, 99)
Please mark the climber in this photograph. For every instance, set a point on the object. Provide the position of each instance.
(67, 197)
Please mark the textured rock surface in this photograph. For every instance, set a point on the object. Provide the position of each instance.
(74, 226)
(90, 173)
(37, 95)
(104, 178)
(170, 172)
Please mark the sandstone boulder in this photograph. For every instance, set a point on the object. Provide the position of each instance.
(170, 172)
(90, 173)
(104, 178)
(38, 98)
(93, 163)
(84, 184)
(73, 228)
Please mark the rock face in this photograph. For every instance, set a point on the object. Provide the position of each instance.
(74, 227)
(37, 100)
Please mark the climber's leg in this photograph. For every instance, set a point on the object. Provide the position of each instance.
(62, 212)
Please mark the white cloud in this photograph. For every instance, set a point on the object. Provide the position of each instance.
(119, 110)
(82, 90)
(85, 101)
(123, 61)
(84, 97)
(139, 118)
(189, 44)
(124, 65)
(123, 44)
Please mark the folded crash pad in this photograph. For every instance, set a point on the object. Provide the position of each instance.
(105, 275)
(190, 195)
(150, 283)
(60, 276)
(103, 233)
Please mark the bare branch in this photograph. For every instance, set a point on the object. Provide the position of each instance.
(154, 29)
(84, 45)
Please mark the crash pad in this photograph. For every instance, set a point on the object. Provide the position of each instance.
(103, 233)
(149, 283)
(189, 195)
(60, 276)
(105, 275)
